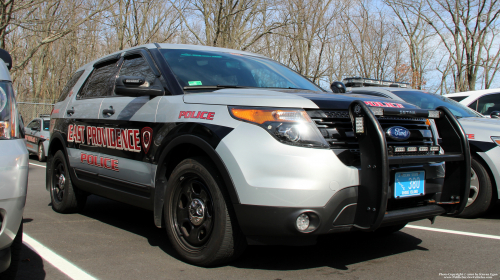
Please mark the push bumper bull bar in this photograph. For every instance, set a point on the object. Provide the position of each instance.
(375, 167)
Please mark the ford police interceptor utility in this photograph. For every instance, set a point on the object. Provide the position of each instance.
(37, 136)
(229, 148)
(13, 174)
(483, 135)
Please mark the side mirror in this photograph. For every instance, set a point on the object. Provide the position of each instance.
(135, 86)
(36, 128)
(338, 87)
(495, 114)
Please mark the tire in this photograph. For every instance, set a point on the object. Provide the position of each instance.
(64, 197)
(481, 191)
(389, 229)
(199, 218)
(41, 152)
(15, 256)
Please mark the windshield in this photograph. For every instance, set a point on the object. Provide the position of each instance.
(427, 100)
(196, 69)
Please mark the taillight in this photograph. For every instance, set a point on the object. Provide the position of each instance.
(9, 127)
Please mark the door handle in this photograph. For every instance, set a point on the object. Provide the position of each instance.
(108, 112)
(70, 111)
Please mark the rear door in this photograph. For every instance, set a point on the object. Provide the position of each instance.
(82, 114)
(128, 123)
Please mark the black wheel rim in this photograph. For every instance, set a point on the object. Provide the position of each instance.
(58, 180)
(192, 210)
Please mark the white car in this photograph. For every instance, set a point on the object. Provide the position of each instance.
(13, 174)
(486, 101)
(484, 140)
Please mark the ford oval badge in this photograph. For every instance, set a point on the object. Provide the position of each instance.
(398, 133)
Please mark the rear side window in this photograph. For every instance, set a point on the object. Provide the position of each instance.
(488, 104)
(69, 86)
(100, 82)
(46, 125)
(457, 98)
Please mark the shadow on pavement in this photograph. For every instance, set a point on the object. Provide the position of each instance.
(31, 265)
(335, 251)
(130, 218)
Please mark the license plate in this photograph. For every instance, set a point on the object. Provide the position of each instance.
(407, 184)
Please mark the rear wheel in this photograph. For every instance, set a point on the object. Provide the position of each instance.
(198, 215)
(41, 152)
(480, 194)
(63, 195)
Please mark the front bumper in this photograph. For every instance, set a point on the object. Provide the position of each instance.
(14, 183)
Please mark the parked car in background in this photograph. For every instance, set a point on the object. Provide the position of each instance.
(483, 134)
(486, 101)
(37, 136)
(13, 174)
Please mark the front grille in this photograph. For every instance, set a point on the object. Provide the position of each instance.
(336, 128)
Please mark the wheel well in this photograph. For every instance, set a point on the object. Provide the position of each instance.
(179, 153)
(492, 178)
(55, 146)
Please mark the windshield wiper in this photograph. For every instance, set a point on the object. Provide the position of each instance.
(212, 87)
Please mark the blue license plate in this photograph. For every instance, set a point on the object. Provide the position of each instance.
(407, 184)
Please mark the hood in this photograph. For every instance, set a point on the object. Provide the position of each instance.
(480, 123)
(287, 98)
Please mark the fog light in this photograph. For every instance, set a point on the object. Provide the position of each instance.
(303, 222)
(411, 149)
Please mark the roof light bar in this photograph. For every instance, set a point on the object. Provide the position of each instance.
(366, 82)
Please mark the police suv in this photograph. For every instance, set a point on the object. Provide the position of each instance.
(37, 136)
(229, 148)
(483, 135)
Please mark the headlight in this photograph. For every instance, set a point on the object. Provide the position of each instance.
(8, 113)
(289, 126)
(496, 139)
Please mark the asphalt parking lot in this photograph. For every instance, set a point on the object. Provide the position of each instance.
(111, 240)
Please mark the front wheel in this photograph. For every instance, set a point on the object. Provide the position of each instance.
(198, 216)
(480, 194)
(41, 152)
(62, 193)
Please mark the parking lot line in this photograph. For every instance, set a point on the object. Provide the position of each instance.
(57, 261)
(455, 232)
(38, 165)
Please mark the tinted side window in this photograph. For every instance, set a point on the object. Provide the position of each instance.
(100, 82)
(71, 83)
(457, 98)
(137, 66)
(488, 104)
(46, 125)
(32, 124)
(473, 105)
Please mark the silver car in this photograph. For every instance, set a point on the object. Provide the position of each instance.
(37, 136)
(13, 174)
